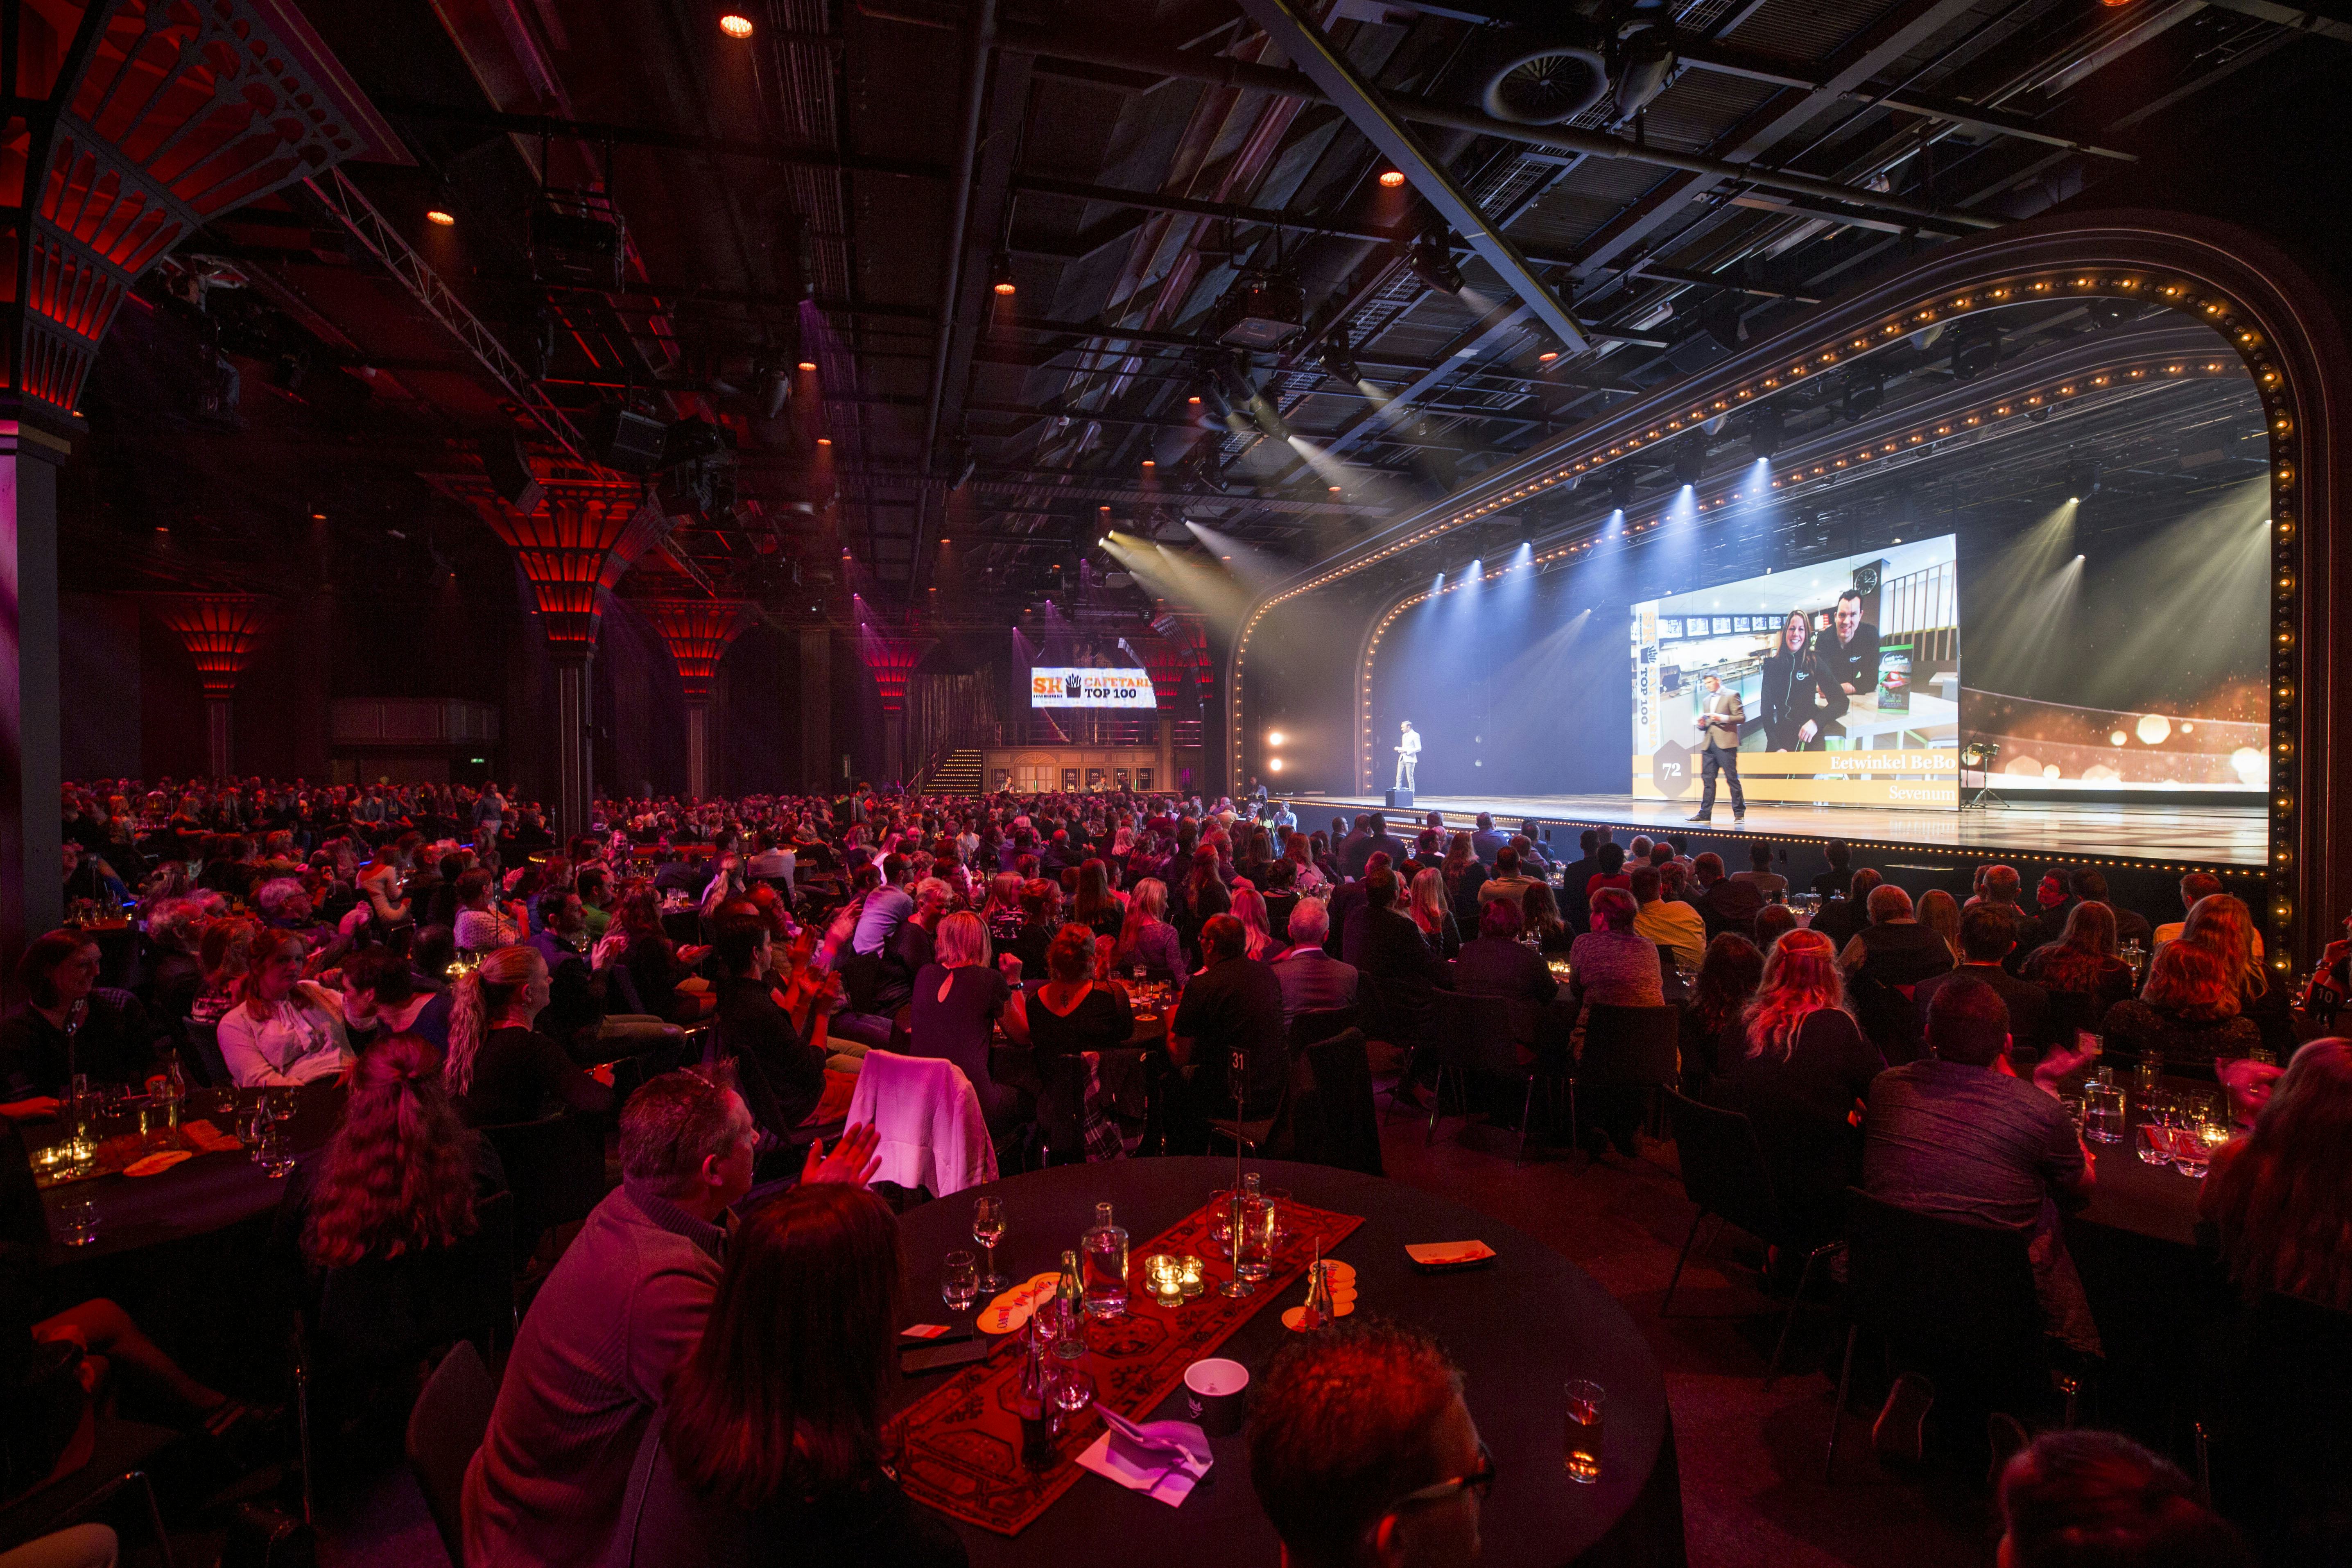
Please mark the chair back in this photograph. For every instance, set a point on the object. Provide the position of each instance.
(1954, 1299)
(555, 1169)
(1722, 1166)
(1474, 1034)
(1635, 1047)
(204, 1052)
(861, 980)
(1332, 1120)
(444, 1428)
(1317, 1024)
(1390, 1013)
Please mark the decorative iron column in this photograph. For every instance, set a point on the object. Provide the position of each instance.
(893, 661)
(220, 631)
(131, 124)
(697, 632)
(573, 550)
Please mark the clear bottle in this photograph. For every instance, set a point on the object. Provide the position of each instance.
(1032, 1400)
(1103, 1252)
(175, 1090)
(1319, 1298)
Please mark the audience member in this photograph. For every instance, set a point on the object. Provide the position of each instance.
(2280, 1198)
(2083, 960)
(287, 1029)
(1311, 979)
(1895, 949)
(1773, 921)
(2096, 1499)
(502, 1069)
(1509, 882)
(1728, 977)
(780, 1074)
(69, 1025)
(1433, 913)
(2185, 1015)
(959, 997)
(1668, 922)
(1940, 912)
(1987, 935)
(1842, 919)
(1234, 1006)
(1497, 963)
(1769, 885)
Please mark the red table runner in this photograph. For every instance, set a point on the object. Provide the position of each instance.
(960, 1442)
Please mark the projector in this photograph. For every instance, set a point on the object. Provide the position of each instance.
(1259, 311)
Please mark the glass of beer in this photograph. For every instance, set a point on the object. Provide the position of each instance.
(1582, 1452)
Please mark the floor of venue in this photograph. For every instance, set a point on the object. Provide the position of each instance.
(2217, 835)
(1750, 1458)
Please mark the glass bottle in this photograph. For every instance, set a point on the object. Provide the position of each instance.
(175, 1090)
(1032, 1400)
(1319, 1298)
(1103, 1251)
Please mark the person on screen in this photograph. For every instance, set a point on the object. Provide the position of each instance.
(1719, 717)
(1845, 659)
(1790, 721)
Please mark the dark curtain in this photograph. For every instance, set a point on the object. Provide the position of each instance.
(961, 708)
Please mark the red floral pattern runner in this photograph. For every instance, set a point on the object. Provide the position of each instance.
(962, 1442)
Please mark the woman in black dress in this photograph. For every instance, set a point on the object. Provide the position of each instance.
(1788, 689)
(1072, 1011)
(958, 999)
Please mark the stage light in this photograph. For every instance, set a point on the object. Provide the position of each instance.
(1689, 460)
(808, 365)
(1000, 275)
(1765, 429)
(1975, 349)
(1863, 392)
(1336, 362)
(1273, 765)
(440, 217)
(1431, 257)
(735, 25)
(1547, 356)
(1273, 737)
(1392, 178)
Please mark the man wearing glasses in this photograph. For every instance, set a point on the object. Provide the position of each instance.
(1363, 1453)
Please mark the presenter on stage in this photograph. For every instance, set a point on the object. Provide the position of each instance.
(1846, 661)
(1408, 754)
(1791, 721)
(1719, 720)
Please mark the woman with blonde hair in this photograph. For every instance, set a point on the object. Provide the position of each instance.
(501, 1069)
(1249, 907)
(959, 996)
(1001, 913)
(284, 1029)
(2187, 1016)
(1432, 913)
(1300, 852)
(1145, 939)
(2227, 926)
(1797, 1065)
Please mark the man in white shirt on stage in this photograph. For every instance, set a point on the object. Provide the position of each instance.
(1408, 755)
(1718, 721)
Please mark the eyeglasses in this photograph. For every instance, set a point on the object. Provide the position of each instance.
(1478, 1482)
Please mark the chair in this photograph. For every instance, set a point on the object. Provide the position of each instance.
(2273, 1452)
(1332, 1121)
(1475, 1034)
(1389, 1016)
(203, 1051)
(555, 1169)
(928, 1115)
(1318, 1023)
(444, 1428)
(1626, 1048)
(1725, 1175)
(124, 1452)
(1952, 1300)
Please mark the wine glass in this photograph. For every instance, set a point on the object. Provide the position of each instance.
(988, 1229)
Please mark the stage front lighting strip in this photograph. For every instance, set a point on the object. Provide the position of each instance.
(2200, 300)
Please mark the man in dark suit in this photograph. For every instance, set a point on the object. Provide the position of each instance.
(1346, 851)
(1234, 1004)
(1485, 841)
(1575, 910)
(1376, 842)
(1987, 936)
(1388, 948)
(1845, 659)
(2090, 887)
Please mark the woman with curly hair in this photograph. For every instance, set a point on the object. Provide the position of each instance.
(1797, 1065)
(2187, 1016)
(402, 1174)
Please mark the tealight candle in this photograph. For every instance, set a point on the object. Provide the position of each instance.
(1165, 1277)
(1190, 1263)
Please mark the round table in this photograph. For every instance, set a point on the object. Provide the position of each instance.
(1520, 1327)
(2152, 1287)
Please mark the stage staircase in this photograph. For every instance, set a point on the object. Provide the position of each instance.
(956, 772)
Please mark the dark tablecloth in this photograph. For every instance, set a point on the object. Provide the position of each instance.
(2153, 1291)
(1520, 1327)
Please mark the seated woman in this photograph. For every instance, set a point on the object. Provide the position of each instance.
(769, 1447)
(2082, 958)
(1002, 914)
(1071, 1011)
(1540, 926)
(1610, 964)
(1496, 962)
(958, 999)
(175, 929)
(1728, 978)
(1249, 907)
(1098, 908)
(2185, 1015)
(1146, 937)
(2226, 925)
(382, 998)
(2280, 1198)
(501, 1069)
(285, 1029)
(1796, 1065)
(68, 1024)
(482, 925)
(1433, 913)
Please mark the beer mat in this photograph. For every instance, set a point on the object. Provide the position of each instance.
(156, 1164)
(959, 1446)
(1449, 1254)
(209, 1139)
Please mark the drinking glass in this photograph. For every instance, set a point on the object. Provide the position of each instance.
(2103, 1113)
(960, 1281)
(988, 1229)
(1240, 1207)
(1253, 1243)
(254, 1127)
(1581, 1452)
(2156, 1143)
(78, 1222)
(2148, 1073)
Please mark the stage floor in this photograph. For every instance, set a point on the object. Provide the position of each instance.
(2237, 837)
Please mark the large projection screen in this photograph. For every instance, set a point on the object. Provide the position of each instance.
(1848, 671)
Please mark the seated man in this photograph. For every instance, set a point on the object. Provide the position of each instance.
(624, 1306)
(1312, 980)
(1363, 1453)
(782, 1076)
(1668, 922)
(1724, 902)
(1895, 949)
(1232, 1004)
(1509, 882)
(1987, 936)
(1953, 1134)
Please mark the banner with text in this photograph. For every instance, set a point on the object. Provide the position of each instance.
(1069, 687)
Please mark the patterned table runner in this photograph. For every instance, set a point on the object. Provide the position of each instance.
(962, 1442)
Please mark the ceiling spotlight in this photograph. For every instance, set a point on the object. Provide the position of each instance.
(1338, 362)
(1765, 429)
(1195, 400)
(1690, 460)
(1547, 356)
(825, 440)
(735, 25)
(440, 217)
(1975, 349)
(1335, 490)
(1864, 391)
(999, 274)
(809, 364)
(1431, 257)
(1392, 178)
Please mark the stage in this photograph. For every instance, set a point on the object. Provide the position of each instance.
(2152, 837)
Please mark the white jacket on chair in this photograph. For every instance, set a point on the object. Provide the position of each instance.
(932, 1133)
